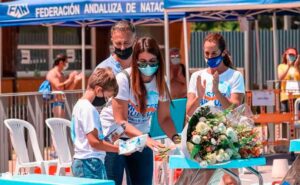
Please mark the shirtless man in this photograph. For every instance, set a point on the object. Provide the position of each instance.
(60, 83)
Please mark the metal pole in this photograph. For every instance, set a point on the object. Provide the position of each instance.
(258, 57)
(50, 39)
(167, 47)
(247, 55)
(186, 52)
(275, 45)
(287, 22)
(257, 174)
(83, 54)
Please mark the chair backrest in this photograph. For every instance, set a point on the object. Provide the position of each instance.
(58, 130)
(178, 117)
(16, 129)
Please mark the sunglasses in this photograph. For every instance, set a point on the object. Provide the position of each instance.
(152, 63)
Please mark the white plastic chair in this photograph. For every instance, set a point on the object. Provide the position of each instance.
(297, 120)
(16, 128)
(59, 136)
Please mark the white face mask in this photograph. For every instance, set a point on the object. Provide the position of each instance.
(175, 61)
(66, 66)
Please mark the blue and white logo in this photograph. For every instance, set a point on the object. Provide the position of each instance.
(18, 10)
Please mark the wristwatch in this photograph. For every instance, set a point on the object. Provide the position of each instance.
(176, 138)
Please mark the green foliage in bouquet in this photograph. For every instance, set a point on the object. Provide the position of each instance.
(216, 136)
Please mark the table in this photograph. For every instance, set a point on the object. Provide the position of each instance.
(179, 161)
(35, 179)
(295, 145)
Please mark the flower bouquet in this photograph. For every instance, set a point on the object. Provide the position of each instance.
(215, 136)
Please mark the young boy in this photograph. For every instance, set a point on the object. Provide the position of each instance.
(86, 129)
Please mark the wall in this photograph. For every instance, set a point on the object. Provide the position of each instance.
(30, 84)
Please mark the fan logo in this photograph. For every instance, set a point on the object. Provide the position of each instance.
(18, 11)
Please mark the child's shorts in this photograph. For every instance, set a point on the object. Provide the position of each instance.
(89, 168)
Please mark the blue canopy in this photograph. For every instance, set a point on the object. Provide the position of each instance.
(229, 4)
(231, 9)
(72, 12)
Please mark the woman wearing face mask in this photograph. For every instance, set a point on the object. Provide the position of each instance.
(142, 91)
(289, 69)
(218, 85)
(178, 79)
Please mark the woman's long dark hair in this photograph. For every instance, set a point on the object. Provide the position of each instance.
(220, 41)
(149, 45)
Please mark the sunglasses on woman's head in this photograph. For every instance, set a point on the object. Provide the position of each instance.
(152, 63)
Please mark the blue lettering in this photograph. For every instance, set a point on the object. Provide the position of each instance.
(22, 9)
(217, 103)
(203, 101)
(210, 94)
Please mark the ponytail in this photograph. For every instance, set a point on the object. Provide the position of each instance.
(227, 60)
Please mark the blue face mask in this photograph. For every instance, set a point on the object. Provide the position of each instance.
(215, 61)
(148, 71)
(292, 58)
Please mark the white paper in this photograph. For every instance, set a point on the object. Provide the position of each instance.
(132, 145)
(293, 86)
(25, 57)
(114, 129)
(263, 98)
(71, 55)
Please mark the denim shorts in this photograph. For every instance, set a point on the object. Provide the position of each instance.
(89, 168)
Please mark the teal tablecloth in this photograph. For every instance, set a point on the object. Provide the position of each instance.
(179, 161)
(34, 179)
(295, 145)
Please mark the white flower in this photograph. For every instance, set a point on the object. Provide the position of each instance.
(203, 119)
(222, 128)
(202, 128)
(196, 139)
(226, 156)
(213, 141)
(229, 152)
(221, 151)
(231, 133)
(211, 158)
(222, 119)
(215, 129)
(222, 137)
(220, 157)
(204, 163)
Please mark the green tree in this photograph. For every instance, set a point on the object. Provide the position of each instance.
(216, 26)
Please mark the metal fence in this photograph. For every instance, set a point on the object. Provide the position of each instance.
(34, 109)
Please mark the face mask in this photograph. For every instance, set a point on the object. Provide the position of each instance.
(291, 58)
(66, 66)
(215, 61)
(175, 61)
(123, 54)
(148, 71)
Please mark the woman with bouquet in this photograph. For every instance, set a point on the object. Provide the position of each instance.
(218, 85)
